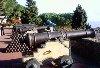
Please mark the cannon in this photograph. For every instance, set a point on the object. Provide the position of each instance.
(30, 41)
(33, 39)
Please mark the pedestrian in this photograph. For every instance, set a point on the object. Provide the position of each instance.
(2, 29)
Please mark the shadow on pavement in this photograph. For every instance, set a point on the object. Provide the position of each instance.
(14, 63)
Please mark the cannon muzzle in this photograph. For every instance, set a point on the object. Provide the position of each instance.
(80, 34)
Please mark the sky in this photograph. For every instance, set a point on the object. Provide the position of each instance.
(68, 6)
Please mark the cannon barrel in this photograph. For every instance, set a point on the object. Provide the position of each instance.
(39, 38)
(80, 34)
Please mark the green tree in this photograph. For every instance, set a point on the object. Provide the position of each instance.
(79, 18)
(59, 19)
(11, 9)
(48, 16)
(87, 26)
(17, 11)
(8, 6)
(68, 19)
(30, 14)
(24, 17)
(1, 8)
(31, 10)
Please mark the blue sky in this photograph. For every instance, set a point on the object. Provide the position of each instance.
(64, 6)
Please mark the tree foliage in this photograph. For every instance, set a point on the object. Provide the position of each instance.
(79, 18)
(30, 14)
(59, 19)
(17, 12)
(8, 6)
(1, 7)
(11, 9)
